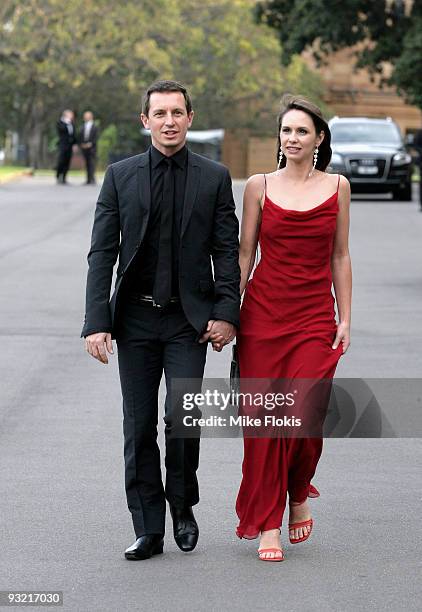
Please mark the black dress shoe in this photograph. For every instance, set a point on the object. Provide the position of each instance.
(145, 547)
(185, 528)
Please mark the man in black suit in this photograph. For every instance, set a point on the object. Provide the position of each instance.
(177, 288)
(67, 138)
(88, 144)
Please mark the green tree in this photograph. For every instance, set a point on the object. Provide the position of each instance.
(232, 66)
(106, 144)
(408, 66)
(77, 54)
(388, 31)
(101, 54)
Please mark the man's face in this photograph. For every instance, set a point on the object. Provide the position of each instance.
(88, 116)
(168, 121)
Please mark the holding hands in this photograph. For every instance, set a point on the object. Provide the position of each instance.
(219, 333)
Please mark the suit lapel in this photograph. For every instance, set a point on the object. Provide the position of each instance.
(191, 190)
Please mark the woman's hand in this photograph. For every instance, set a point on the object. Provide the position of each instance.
(343, 336)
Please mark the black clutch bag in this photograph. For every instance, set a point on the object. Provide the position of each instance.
(234, 376)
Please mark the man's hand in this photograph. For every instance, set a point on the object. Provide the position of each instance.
(96, 345)
(220, 333)
(206, 335)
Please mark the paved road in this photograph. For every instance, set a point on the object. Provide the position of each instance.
(64, 523)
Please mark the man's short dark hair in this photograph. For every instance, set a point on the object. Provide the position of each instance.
(164, 87)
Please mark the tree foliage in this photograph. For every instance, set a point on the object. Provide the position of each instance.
(386, 31)
(231, 65)
(101, 55)
(76, 54)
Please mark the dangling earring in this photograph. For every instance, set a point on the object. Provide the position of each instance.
(315, 161)
(280, 157)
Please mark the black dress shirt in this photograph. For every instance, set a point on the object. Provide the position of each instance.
(141, 275)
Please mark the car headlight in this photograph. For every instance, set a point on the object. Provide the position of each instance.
(336, 159)
(401, 158)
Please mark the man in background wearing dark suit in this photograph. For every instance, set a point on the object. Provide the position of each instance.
(169, 215)
(88, 144)
(67, 138)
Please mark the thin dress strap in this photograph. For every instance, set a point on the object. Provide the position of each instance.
(264, 194)
(338, 182)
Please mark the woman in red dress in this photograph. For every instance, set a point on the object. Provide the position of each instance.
(299, 214)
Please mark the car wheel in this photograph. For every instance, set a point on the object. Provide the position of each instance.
(403, 194)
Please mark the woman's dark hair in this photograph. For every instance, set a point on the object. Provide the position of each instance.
(164, 87)
(290, 102)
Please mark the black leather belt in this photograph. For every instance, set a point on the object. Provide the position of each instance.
(150, 300)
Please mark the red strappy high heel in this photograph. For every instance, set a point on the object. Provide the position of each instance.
(308, 523)
(268, 550)
(261, 551)
(313, 492)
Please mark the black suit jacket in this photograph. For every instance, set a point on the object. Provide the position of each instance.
(93, 135)
(209, 274)
(66, 140)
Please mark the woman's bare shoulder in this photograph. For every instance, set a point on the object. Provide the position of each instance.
(255, 185)
(255, 180)
(344, 185)
(335, 180)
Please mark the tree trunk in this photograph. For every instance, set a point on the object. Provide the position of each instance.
(34, 134)
(34, 144)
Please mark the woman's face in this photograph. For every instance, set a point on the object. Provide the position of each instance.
(298, 136)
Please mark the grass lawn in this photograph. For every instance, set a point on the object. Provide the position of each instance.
(8, 172)
(51, 172)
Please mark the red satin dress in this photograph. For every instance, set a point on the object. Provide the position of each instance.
(287, 327)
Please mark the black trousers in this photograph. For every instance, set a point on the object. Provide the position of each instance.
(90, 158)
(63, 162)
(149, 341)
